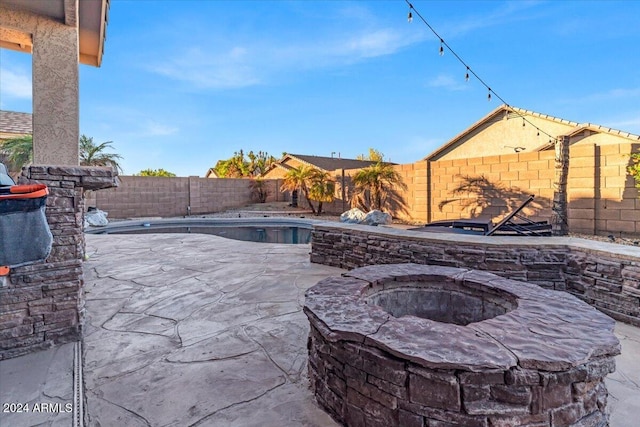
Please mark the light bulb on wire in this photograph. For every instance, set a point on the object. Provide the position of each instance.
(469, 71)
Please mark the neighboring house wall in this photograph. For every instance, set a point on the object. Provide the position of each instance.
(501, 133)
(141, 196)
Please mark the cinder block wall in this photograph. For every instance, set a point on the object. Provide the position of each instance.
(410, 204)
(508, 180)
(617, 205)
(141, 196)
(602, 196)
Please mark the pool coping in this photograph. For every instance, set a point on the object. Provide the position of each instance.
(203, 222)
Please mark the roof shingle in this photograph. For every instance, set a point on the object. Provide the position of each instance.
(333, 163)
(16, 123)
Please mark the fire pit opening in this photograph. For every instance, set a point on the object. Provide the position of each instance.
(430, 300)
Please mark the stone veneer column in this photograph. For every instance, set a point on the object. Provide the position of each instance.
(43, 304)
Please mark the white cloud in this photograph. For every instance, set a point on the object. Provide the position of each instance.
(631, 124)
(223, 70)
(446, 81)
(617, 93)
(133, 123)
(15, 83)
(153, 128)
(231, 59)
(502, 14)
(609, 95)
(260, 61)
(371, 44)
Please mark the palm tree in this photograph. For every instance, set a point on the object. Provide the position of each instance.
(299, 178)
(259, 190)
(322, 188)
(375, 183)
(19, 152)
(92, 154)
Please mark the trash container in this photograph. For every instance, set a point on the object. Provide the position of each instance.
(25, 237)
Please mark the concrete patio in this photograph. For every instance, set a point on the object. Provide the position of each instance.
(198, 330)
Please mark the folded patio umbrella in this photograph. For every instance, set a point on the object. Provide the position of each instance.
(25, 237)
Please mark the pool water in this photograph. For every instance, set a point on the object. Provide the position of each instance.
(289, 235)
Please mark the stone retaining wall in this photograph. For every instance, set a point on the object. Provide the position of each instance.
(365, 386)
(607, 276)
(43, 304)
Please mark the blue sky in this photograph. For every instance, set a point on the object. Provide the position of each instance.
(186, 83)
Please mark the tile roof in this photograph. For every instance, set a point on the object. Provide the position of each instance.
(14, 122)
(332, 163)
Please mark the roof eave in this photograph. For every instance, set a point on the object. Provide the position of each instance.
(92, 47)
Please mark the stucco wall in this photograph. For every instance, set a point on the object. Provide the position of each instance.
(55, 85)
(501, 134)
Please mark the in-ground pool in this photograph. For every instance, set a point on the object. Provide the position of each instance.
(264, 230)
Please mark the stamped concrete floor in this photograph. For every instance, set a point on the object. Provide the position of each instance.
(197, 330)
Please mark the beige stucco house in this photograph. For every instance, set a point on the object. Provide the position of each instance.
(508, 130)
(211, 173)
(59, 34)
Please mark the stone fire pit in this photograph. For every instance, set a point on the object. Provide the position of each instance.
(415, 345)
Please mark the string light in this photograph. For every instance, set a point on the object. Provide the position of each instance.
(469, 71)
